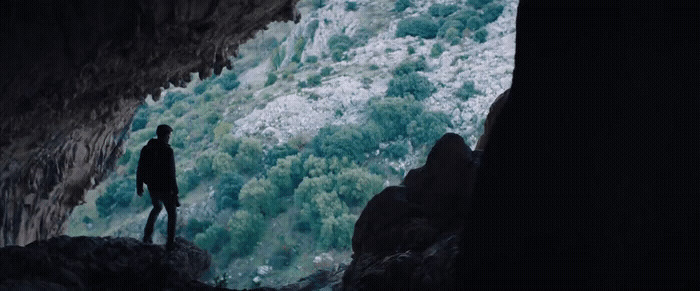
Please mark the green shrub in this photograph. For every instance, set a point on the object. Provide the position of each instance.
(452, 23)
(491, 12)
(140, 118)
(172, 97)
(336, 232)
(286, 174)
(453, 36)
(178, 110)
(426, 128)
(298, 49)
(411, 50)
(480, 35)
(246, 230)
(124, 159)
(260, 196)
(228, 81)
(396, 150)
(466, 91)
(315, 166)
(373, 67)
(437, 50)
(355, 186)
(204, 165)
(194, 227)
(411, 84)
(326, 71)
(230, 184)
(118, 194)
(462, 16)
(442, 10)
(401, 5)
(202, 86)
(347, 141)
(223, 129)
(187, 180)
(392, 115)
(350, 6)
(339, 44)
(212, 239)
(311, 28)
(478, 3)
(311, 59)
(229, 144)
(422, 26)
(271, 79)
(212, 118)
(278, 55)
(314, 80)
(362, 36)
(408, 66)
(318, 3)
(279, 152)
(474, 23)
(222, 163)
(310, 187)
(249, 158)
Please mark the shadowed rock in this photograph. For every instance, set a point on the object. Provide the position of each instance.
(101, 263)
(407, 236)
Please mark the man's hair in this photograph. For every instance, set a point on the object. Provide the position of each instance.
(163, 130)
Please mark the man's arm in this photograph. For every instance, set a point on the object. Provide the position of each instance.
(173, 179)
(139, 175)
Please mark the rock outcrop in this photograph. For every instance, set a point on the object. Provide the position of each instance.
(408, 236)
(72, 76)
(102, 263)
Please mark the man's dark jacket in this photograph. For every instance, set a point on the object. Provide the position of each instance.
(162, 168)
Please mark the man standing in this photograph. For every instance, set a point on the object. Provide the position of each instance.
(157, 170)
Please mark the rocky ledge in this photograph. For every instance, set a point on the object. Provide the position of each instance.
(101, 263)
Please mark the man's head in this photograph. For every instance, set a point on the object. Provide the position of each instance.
(163, 132)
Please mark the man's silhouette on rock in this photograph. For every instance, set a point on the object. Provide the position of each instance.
(157, 170)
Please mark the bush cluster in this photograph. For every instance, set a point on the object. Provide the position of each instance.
(117, 195)
(401, 5)
(421, 26)
(325, 199)
(350, 6)
(442, 10)
(346, 141)
(467, 90)
(230, 184)
(228, 81)
(271, 79)
(412, 84)
(339, 44)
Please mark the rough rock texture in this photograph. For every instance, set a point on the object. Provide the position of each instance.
(590, 175)
(101, 263)
(407, 236)
(72, 75)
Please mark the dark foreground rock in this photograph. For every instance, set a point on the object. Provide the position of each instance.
(407, 237)
(102, 263)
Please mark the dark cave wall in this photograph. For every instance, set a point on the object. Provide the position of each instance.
(590, 176)
(74, 72)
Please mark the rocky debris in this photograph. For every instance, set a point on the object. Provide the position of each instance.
(321, 279)
(101, 263)
(408, 235)
(72, 77)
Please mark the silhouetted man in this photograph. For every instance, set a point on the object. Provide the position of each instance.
(157, 170)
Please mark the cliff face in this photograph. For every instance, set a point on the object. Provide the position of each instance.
(72, 76)
(590, 174)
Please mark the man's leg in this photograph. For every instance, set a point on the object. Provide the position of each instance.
(148, 231)
(170, 207)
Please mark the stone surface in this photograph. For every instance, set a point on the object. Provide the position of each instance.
(407, 236)
(73, 75)
(101, 263)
